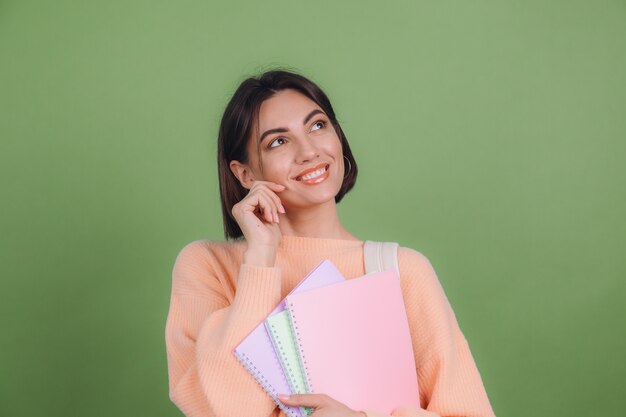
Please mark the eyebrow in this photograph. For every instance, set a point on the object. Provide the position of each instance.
(283, 130)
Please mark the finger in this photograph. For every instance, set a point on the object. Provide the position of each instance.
(271, 185)
(277, 206)
(249, 203)
(304, 400)
(270, 194)
(260, 204)
(261, 210)
(271, 188)
(268, 209)
(273, 196)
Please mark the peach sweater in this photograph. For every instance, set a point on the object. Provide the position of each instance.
(216, 301)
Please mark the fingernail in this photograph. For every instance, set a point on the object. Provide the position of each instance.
(283, 397)
(282, 209)
(276, 217)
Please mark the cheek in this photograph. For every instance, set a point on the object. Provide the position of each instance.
(332, 146)
(276, 170)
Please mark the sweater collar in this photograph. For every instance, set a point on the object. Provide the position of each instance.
(313, 244)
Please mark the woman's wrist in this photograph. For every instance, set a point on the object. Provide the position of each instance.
(263, 256)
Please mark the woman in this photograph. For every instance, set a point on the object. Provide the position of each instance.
(284, 164)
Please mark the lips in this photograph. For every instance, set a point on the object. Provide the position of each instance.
(312, 173)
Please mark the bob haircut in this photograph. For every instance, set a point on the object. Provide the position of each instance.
(241, 115)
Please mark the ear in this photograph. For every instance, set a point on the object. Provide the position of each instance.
(243, 173)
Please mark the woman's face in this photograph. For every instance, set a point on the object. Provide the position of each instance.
(298, 148)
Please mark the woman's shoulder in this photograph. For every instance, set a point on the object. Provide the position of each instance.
(207, 266)
(412, 256)
(416, 265)
(207, 249)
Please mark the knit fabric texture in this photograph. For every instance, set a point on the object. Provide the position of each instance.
(216, 301)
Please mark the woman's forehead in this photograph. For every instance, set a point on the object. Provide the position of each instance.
(284, 108)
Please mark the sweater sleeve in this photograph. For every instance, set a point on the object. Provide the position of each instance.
(202, 329)
(449, 381)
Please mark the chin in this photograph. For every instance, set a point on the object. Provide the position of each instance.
(312, 198)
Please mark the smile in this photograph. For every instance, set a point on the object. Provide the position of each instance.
(314, 175)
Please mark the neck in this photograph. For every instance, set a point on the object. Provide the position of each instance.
(320, 221)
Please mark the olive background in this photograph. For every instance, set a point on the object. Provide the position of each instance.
(490, 136)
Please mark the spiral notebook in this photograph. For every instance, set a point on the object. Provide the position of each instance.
(284, 342)
(256, 352)
(354, 342)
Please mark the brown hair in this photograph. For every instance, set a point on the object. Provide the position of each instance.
(236, 127)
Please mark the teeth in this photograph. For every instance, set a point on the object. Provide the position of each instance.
(314, 174)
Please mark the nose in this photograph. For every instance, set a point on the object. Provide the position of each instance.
(307, 151)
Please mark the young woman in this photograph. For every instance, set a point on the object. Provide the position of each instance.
(284, 163)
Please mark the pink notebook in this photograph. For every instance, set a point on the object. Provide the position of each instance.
(354, 342)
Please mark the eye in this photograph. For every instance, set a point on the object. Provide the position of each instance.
(276, 142)
(320, 122)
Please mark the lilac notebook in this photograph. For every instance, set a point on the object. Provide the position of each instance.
(256, 352)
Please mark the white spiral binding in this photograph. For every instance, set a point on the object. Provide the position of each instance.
(301, 357)
(285, 365)
(264, 383)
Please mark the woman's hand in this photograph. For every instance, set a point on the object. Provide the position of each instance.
(257, 216)
(324, 405)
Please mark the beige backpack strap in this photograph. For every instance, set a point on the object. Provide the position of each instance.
(380, 256)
